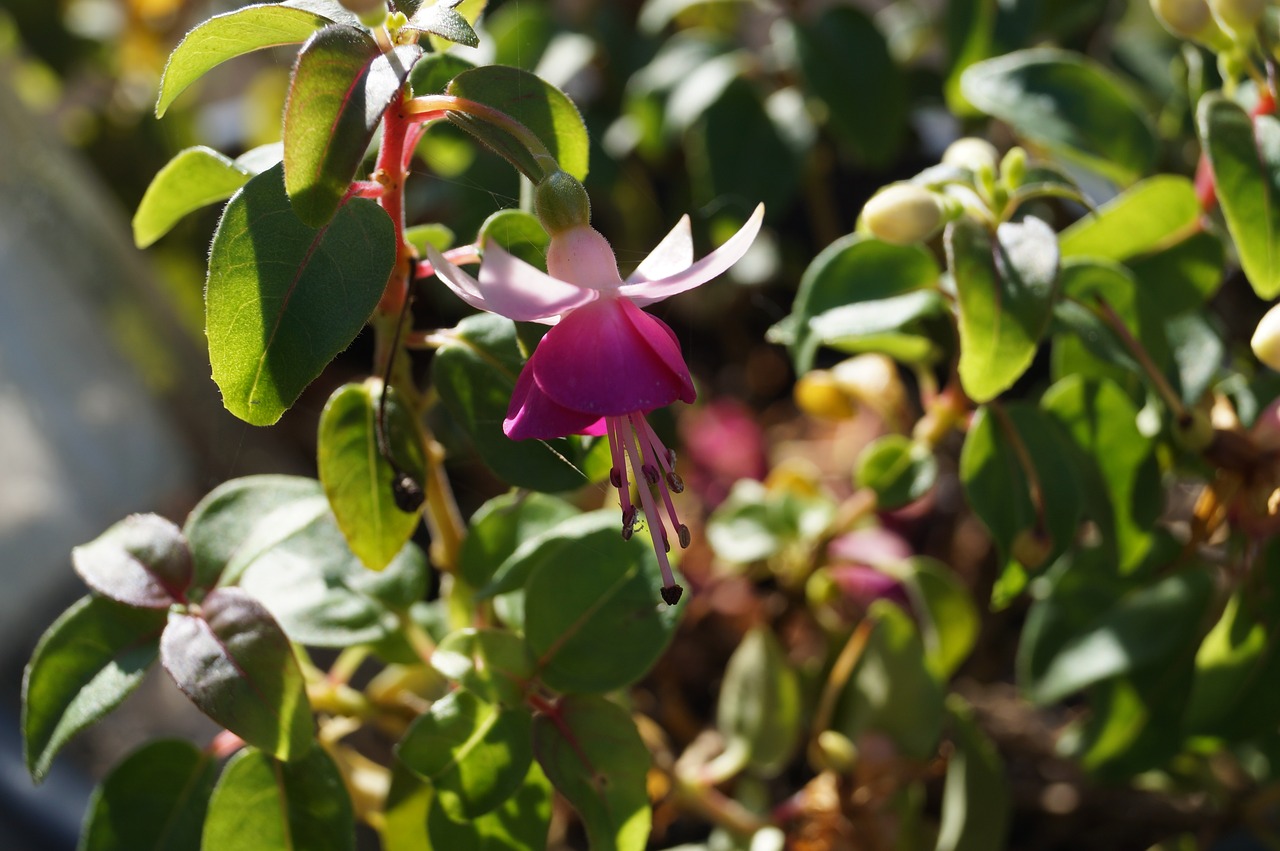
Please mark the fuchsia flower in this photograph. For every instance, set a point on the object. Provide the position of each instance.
(605, 363)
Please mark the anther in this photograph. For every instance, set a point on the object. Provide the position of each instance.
(650, 473)
(671, 457)
(628, 523)
(615, 478)
(671, 594)
(666, 542)
(685, 538)
(675, 483)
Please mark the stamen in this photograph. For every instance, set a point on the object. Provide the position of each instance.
(628, 523)
(654, 448)
(646, 501)
(615, 478)
(675, 483)
(666, 542)
(623, 484)
(685, 538)
(650, 473)
(671, 594)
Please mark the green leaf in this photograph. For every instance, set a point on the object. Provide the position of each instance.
(155, 800)
(977, 30)
(854, 269)
(226, 36)
(441, 19)
(475, 372)
(193, 178)
(897, 469)
(469, 11)
(975, 795)
(891, 691)
(475, 754)
(492, 664)
(85, 664)
(234, 662)
(520, 823)
(502, 525)
(947, 617)
(843, 46)
(358, 480)
(1005, 288)
(432, 73)
(341, 85)
(593, 755)
(1139, 632)
(593, 617)
(518, 233)
(1155, 213)
(1069, 104)
(1245, 155)
(282, 299)
(539, 106)
(755, 523)
(1227, 663)
(886, 325)
(760, 706)
(142, 561)
(404, 825)
(260, 804)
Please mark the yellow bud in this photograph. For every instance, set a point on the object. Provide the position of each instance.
(818, 394)
(1239, 16)
(872, 380)
(903, 214)
(1266, 339)
(1185, 18)
(1031, 548)
(970, 152)
(1194, 431)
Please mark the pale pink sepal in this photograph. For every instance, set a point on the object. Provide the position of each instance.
(673, 255)
(715, 263)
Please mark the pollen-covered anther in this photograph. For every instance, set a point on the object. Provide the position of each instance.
(615, 478)
(628, 522)
(650, 474)
(675, 483)
(685, 538)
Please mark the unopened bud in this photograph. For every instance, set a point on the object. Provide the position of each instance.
(370, 12)
(837, 751)
(1239, 16)
(1193, 430)
(872, 379)
(903, 214)
(1266, 338)
(1031, 548)
(818, 394)
(561, 203)
(972, 153)
(1013, 168)
(1184, 18)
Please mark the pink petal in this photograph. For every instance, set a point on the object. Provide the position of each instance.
(674, 254)
(463, 285)
(715, 263)
(532, 414)
(609, 358)
(516, 290)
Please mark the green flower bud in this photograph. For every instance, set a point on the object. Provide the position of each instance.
(1184, 18)
(971, 153)
(1266, 339)
(1013, 168)
(370, 12)
(903, 214)
(1239, 16)
(561, 203)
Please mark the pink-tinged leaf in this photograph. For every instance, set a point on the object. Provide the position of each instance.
(714, 264)
(341, 85)
(143, 561)
(235, 663)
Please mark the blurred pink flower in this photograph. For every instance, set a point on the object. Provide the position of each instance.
(723, 443)
(605, 363)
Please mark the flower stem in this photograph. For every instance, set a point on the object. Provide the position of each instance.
(428, 107)
(1158, 381)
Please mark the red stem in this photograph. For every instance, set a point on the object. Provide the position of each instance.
(392, 169)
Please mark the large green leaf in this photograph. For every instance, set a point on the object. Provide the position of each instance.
(947, 617)
(501, 525)
(282, 299)
(520, 823)
(260, 804)
(1245, 155)
(539, 106)
(359, 481)
(143, 561)
(341, 85)
(193, 178)
(1071, 105)
(759, 707)
(226, 36)
(593, 755)
(475, 754)
(1005, 288)
(86, 663)
(492, 664)
(840, 53)
(155, 800)
(235, 663)
(1157, 212)
(593, 617)
(975, 795)
(897, 469)
(475, 372)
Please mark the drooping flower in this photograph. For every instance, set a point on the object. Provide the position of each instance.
(605, 363)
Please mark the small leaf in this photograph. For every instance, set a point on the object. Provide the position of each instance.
(432, 73)
(475, 754)
(899, 470)
(1155, 213)
(358, 480)
(260, 804)
(142, 561)
(341, 85)
(520, 823)
(1006, 288)
(226, 36)
(475, 372)
(975, 795)
(193, 178)
(593, 755)
(536, 104)
(503, 524)
(1070, 104)
(155, 799)
(278, 304)
(234, 663)
(441, 19)
(947, 617)
(759, 704)
(1245, 155)
(492, 664)
(518, 233)
(887, 325)
(593, 617)
(86, 663)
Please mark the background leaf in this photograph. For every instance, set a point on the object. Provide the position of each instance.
(760, 703)
(975, 795)
(193, 178)
(278, 304)
(1156, 212)
(142, 561)
(520, 822)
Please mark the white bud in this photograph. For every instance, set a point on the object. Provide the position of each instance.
(971, 152)
(903, 214)
(1240, 16)
(1266, 339)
